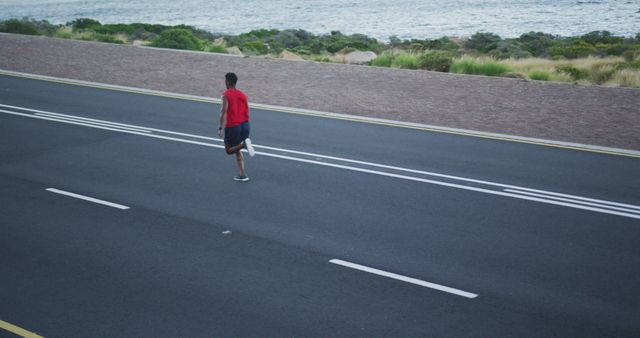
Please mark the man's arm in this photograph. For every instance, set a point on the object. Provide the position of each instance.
(223, 115)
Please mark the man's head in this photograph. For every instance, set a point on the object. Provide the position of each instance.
(230, 79)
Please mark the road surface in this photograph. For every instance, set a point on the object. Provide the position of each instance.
(120, 218)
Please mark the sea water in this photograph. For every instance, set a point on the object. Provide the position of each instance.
(376, 18)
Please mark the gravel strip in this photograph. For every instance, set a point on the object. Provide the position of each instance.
(563, 112)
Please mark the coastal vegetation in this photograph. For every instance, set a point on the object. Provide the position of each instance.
(468, 65)
(594, 58)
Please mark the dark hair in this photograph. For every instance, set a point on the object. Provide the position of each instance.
(232, 78)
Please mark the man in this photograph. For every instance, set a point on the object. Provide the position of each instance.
(234, 115)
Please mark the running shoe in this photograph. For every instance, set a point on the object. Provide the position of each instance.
(241, 178)
(249, 146)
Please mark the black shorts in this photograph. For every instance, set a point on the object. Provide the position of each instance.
(236, 134)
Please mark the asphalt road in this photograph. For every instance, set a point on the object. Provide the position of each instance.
(483, 237)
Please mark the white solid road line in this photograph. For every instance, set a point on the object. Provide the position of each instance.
(87, 198)
(48, 113)
(112, 125)
(630, 206)
(546, 198)
(404, 278)
(600, 205)
(76, 118)
(71, 122)
(453, 185)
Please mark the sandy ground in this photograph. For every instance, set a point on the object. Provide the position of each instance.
(557, 111)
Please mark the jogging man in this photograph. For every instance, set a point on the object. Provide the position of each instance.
(234, 115)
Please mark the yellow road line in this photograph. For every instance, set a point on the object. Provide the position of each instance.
(309, 113)
(17, 330)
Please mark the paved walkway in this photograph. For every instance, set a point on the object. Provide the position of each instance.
(562, 112)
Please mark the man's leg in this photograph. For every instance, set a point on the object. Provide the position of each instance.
(233, 149)
(240, 161)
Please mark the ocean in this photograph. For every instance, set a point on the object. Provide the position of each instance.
(380, 19)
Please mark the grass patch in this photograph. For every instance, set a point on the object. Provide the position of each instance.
(601, 73)
(539, 75)
(405, 61)
(439, 61)
(467, 65)
(106, 38)
(323, 59)
(215, 48)
(64, 33)
(575, 73)
(626, 78)
(383, 60)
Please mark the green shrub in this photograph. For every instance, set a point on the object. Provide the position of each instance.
(439, 61)
(18, 27)
(63, 35)
(630, 55)
(290, 38)
(43, 27)
(106, 38)
(539, 75)
(83, 23)
(483, 42)
(621, 65)
(537, 43)
(395, 41)
(322, 59)
(405, 61)
(603, 37)
(470, 66)
(28, 27)
(177, 38)
(616, 49)
(135, 31)
(601, 73)
(337, 41)
(383, 60)
(199, 33)
(215, 48)
(510, 48)
(316, 46)
(302, 50)
(262, 33)
(416, 47)
(276, 40)
(443, 43)
(577, 49)
(255, 47)
(158, 29)
(575, 73)
(142, 34)
(126, 29)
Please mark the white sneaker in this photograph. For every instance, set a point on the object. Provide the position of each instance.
(249, 146)
(241, 178)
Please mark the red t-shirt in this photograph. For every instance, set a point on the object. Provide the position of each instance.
(237, 107)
